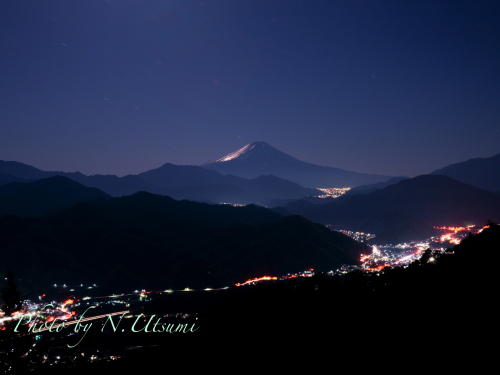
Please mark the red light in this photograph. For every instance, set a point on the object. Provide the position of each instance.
(259, 279)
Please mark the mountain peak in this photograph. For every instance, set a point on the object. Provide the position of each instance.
(243, 152)
(260, 158)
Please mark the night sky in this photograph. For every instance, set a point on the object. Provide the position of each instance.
(123, 86)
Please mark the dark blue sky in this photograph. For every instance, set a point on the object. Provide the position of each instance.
(122, 86)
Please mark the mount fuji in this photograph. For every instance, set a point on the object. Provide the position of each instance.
(260, 158)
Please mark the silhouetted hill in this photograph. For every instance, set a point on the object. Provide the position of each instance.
(7, 178)
(443, 298)
(38, 197)
(281, 247)
(176, 176)
(299, 205)
(152, 241)
(309, 198)
(481, 172)
(410, 205)
(365, 189)
(282, 211)
(259, 158)
(24, 171)
(270, 186)
(179, 181)
(110, 184)
(113, 185)
(219, 193)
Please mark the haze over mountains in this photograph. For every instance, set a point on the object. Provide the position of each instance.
(407, 210)
(258, 173)
(179, 181)
(481, 172)
(395, 209)
(258, 158)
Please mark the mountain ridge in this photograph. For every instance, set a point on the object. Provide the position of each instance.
(481, 172)
(41, 196)
(155, 241)
(182, 181)
(418, 204)
(259, 158)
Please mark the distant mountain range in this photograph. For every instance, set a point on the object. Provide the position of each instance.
(146, 240)
(259, 158)
(407, 210)
(395, 209)
(74, 231)
(6, 178)
(365, 189)
(41, 196)
(178, 181)
(481, 172)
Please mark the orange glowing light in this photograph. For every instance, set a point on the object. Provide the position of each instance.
(69, 302)
(364, 258)
(455, 229)
(258, 279)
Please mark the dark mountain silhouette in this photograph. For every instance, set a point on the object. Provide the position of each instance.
(365, 189)
(147, 240)
(270, 186)
(110, 184)
(284, 245)
(24, 171)
(218, 193)
(175, 176)
(180, 181)
(38, 197)
(481, 172)
(196, 183)
(113, 185)
(299, 205)
(311, 199)
(7, 178)
(409, 209)
(445, 285)
(444, 298)
(259, 158)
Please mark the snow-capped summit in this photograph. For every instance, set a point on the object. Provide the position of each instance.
(259, 158)
(260, 152)
(236, 154)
